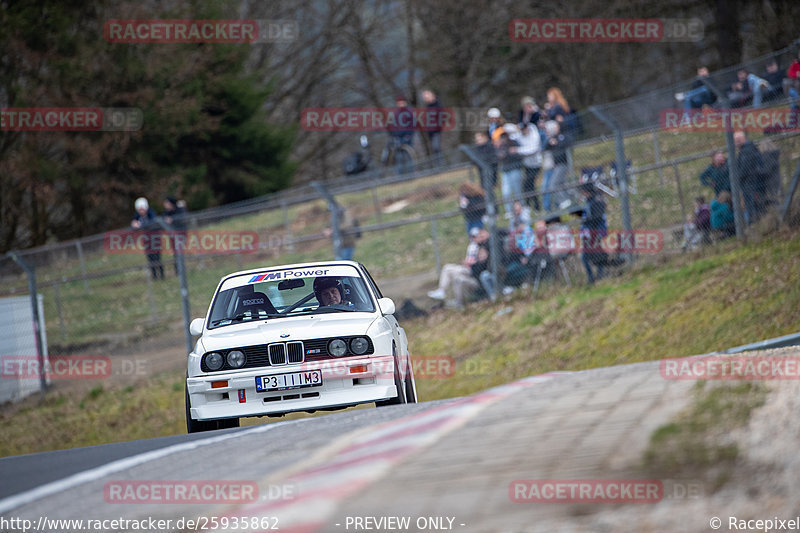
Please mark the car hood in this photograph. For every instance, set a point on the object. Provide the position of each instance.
(297, 328)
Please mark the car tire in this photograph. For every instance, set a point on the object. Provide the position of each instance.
(411, 396)
(197, 426)
(399, 384)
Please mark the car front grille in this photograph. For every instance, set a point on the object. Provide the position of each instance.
(286, 353)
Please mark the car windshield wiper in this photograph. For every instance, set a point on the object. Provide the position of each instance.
(242, 316)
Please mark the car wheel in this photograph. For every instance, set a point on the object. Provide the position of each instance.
(411, 396)
(197, 426)
(398, 383)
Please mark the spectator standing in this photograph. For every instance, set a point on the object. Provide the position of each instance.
(486, 151)
(550, 129)
(495, 120)
(434, 109)
(402, 135)
(350, 232)
(145, 220)
(174, 213)
(750, 166)
(557, 144)
(716, 174)
(530, 148)
(558, 107)
(529, 112)
(593, 229)
(510, 162)
(175, 217)
(472, 201)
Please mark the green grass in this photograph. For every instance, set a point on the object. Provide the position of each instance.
(688, 305)
(693, 444)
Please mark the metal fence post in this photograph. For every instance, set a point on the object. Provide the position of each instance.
(436, 251)
(58, 310)
(491, 209)
(657, 152)
(622, 169)
(680, 191)
(733, 171)
(37, 323)
(287, 226)
(148, 274)
(82, 260)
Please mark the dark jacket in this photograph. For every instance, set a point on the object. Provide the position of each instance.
(593, 217)
(750, 165)
(559, 149)
(148, 222)
(702, 218)
(433, 122)
(473, 207)
(721, 215)
(403, 129)
(509, 160)
(717, 178)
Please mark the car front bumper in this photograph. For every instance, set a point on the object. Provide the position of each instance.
(346, 381)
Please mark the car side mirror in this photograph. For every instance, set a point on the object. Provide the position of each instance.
(386, 306)
(196, 326)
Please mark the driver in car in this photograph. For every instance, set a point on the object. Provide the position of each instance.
(329, 291)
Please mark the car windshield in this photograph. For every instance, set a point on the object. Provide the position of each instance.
(289, 293)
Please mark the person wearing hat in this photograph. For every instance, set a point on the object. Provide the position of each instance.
(510, 166)
(528, 113)
(402, 131)
(145, 219)
(329, 291)
(495, 121)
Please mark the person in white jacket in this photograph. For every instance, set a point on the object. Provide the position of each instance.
(530, 148)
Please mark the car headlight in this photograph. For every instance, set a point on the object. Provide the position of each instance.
(337, 347)
(214, 360)
(236, 359)
(359, 345)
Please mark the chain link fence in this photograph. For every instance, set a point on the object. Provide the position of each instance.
(99, 294)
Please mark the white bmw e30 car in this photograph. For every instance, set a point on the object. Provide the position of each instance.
(304, 337)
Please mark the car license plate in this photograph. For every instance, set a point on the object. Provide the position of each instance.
(291, 380)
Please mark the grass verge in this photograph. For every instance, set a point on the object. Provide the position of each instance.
(696, 444)
(688, 305)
